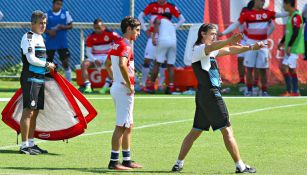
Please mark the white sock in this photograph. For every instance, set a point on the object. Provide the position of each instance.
(145, 72)
(107, 82)
(31, 142)
(240, 164)
(87, 83)
(162, 76)
(24, 144)
(180, 163)
(68, 74)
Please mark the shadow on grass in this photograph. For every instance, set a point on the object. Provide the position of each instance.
(94, 170)
(17, 152)
(8, 89)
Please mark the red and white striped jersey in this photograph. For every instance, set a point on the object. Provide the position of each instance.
(101, 43)
(155, 9)
(121, 48)
(256, 23)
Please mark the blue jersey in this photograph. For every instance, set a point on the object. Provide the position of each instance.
(60, 40)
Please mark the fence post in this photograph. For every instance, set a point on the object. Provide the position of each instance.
(81, 46)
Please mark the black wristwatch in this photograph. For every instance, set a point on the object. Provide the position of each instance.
(47, 64)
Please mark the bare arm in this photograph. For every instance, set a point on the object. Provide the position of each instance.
(155, 31)
(222, 43)
(141, 19)
(232, 50)
(108, 65)
(180, 22)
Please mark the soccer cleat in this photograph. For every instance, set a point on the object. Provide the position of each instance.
(104, 90)
(39, 150)
(286, 94)
(265, 94)
(248, 169)
(248, 93)
(27, 150)
(295, 94)
(114, 165)
(176, 168)
(88, 90)
(131, 164)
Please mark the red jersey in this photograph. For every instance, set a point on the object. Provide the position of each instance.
(256, 23)
(155, 9)
(101, 43)
(121, 48)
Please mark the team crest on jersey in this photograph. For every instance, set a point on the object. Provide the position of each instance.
(62, 16)
(106, 38)
(264, 16)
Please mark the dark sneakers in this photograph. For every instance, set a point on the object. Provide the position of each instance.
(248, 169)
(27, 150)
(131, 164)
(39, 150)
(114, 165)
(176, 168)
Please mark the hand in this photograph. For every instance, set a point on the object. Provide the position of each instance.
(234, 39)
(52, 33)
(131, 88)
(154, 41)
(258, 45)
(51, 67)
(288, 50)
(280, 45)
(97, 63)
(61, 27)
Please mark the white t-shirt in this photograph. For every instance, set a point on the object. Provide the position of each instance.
(198, 54)
(167, 30)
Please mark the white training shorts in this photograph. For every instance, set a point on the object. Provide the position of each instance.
(256, 58)
(101, 58)
(150, 50)
(290, 60)
(166, 51)
(123, 103)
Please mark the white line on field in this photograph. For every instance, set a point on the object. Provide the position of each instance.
(172, 122)
(180, 97)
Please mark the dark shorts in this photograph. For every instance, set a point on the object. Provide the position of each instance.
(63, 53)
(210, 110)
(33, 94)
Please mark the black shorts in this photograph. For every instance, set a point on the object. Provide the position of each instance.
(33, 94)
(210, 110)
(63, 53)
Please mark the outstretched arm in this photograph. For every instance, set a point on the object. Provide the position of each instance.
(232, 50)
(222, 43)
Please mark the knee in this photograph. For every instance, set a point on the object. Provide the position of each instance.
(227, 133)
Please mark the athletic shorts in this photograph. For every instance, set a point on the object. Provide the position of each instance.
(101, 58)
(123, 103)
(290, 60)
(33, 94)
(63, 53)
(256, 58)
(150, 50)
(210, 109)
(166, 51)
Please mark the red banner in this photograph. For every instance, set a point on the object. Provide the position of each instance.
(223, 13)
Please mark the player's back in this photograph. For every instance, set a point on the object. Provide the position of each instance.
(167, 30)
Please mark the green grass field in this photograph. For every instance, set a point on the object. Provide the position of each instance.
(271, 133)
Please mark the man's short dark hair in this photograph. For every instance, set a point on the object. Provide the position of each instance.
(129, 21)
(54, 1)
(37, 15)
(97, 21)
(291, 2)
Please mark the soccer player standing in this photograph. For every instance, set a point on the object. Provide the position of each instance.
(98, 45)
(59, 21)
(154, 9)
(120, 66)
(210, 107)
(256, 23)
(32, 81)
(293, 41)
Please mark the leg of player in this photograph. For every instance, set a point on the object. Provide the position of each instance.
(232, 148)
(151, 87)
(287, 76)
(264, 81)
(171, 87)
(255, 83)
(86, 81)
(249, 81)
(116, 144)
(295, 90)
(185, 148)
(25, 123)
(241, 70)
(145, 71)
(162, 75)
(64, 56)
(126, 142)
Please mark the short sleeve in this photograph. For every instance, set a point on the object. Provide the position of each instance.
(198, 52)
(89, 41)
(68, 18)
(27, 44)
(242, 18)
(147, 9)
(115, 36)
(297, 21)
(272, 14)
(175, 11)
